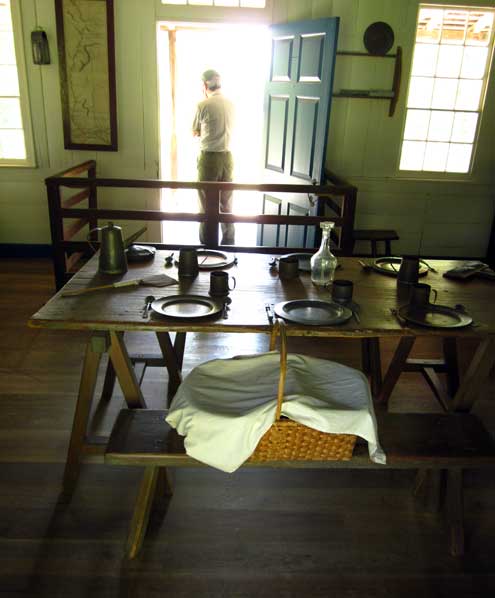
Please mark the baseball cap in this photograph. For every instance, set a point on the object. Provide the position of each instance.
(210, 74)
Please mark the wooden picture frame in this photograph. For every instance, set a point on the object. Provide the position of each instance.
(86, 50)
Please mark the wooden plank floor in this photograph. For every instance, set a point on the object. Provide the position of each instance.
(254, 533)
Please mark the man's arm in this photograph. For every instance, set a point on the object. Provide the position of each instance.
(196, 126)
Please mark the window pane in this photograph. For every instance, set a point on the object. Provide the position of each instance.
(459, 158)
(420, 92)
(412, 155)
(479, 28)
(440, 126)
(10, 113)
(454, 26)
(7, 51)
(9, 83)
(436, 156)
(429, 25)
(469, 94)
(444, 93)
(449, 61)
(253, 3)
(201, 2)
(474, 62)
(417, 122)
(226, 2)
(174, 1)
(425, 60)
(464, 128)
(12, 145)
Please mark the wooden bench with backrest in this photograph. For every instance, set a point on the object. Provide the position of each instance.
(446, 443)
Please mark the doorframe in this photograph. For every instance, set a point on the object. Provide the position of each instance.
(168, 150)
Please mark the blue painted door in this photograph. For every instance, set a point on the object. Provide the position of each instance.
(297, 111)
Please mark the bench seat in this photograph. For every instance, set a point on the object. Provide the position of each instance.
(439, 445)
(143, 437)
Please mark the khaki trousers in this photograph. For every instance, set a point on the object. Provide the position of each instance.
(217, 166)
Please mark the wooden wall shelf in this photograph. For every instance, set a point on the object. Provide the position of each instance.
(395, 83)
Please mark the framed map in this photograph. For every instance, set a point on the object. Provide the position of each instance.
(86, 50)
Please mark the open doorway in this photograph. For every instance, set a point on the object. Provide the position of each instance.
(241, 54)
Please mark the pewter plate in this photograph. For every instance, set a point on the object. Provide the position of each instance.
(211, 259)
(186, 307)
(313, 312)
(435, 316)
(390, 266)
(378, 38)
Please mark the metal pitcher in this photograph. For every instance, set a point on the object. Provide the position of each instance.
(112, 259)
(409, 270)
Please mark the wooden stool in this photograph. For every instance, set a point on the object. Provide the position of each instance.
(374, 236)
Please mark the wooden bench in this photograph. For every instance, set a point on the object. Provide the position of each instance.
(443, 442)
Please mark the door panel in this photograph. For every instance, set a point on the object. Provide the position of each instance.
(305, 127)
(297, 114)
(311, 58)
(278, 112)
(270, 233)
(296, 236)
(281, 59)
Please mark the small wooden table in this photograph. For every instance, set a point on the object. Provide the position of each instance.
(109, 314)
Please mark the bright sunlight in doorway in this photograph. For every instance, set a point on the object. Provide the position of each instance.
(241, 54)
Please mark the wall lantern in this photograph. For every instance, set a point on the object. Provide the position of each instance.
(41, 50)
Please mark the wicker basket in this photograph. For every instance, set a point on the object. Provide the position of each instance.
(290, 440)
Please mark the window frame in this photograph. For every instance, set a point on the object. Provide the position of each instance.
(30, 160)
(489, 73)
(229, 14)
(213, 5)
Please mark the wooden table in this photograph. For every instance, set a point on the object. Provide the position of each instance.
(108, 314)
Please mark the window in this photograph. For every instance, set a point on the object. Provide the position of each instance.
(16, 148)
(446, 90)
(224, 3)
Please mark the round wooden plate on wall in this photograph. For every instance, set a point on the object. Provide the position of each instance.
(378, 38)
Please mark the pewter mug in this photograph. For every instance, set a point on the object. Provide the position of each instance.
(219, 283)
(288, 267)
(420, 295)
(188, 262)
(342, 290)
(112, 258)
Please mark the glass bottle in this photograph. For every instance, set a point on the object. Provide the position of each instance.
(323, 262)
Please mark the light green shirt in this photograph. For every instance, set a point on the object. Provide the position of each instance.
(213, 122)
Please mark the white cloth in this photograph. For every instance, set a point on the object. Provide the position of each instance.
(224, 406)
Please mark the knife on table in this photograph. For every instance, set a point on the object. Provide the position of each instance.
(269, 313)
(159, 280)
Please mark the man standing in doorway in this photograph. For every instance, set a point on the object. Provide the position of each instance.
(213, 124)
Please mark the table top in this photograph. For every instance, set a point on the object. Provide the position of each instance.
(257, 284)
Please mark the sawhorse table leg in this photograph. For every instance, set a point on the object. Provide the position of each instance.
(173, 354)
(98, 344)
(395, 368)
